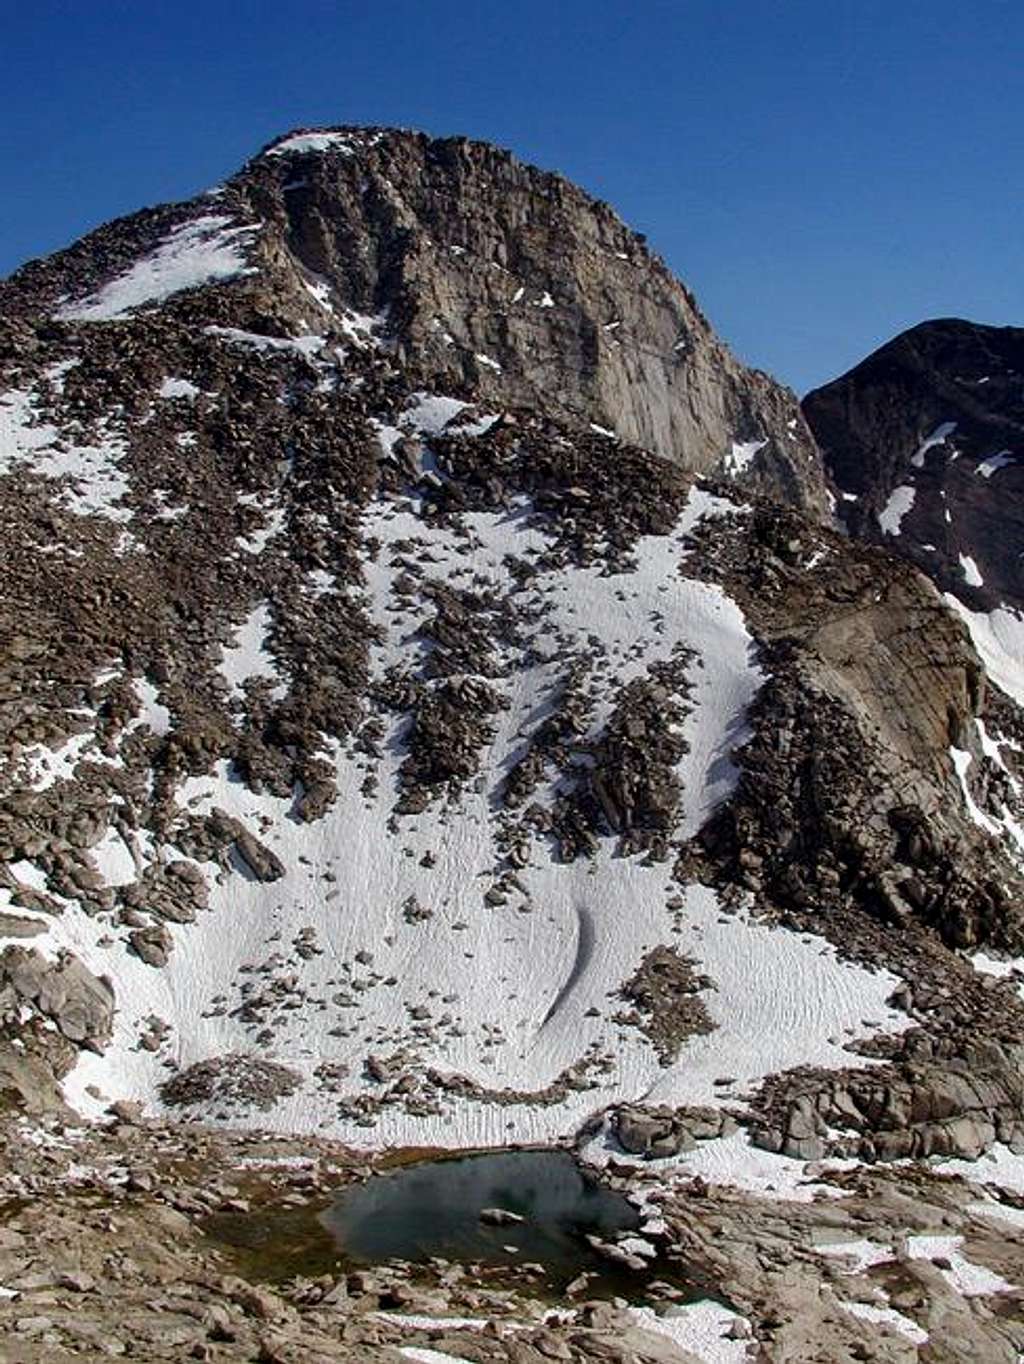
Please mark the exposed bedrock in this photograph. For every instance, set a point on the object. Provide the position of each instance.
(936, 413)
(847, 792)
(496, 280)
(79, 1003)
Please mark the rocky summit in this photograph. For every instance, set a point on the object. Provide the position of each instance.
(923, 441)
(447, 701)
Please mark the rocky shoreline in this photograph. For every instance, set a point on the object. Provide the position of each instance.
(109, 1249)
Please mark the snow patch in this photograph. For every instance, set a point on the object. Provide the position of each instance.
(423, 1356)
(113, 860)
(29, 874)
(177, 388)
(92, 481)
(999, 1212)
(901, 499)
(997, 966)
(345, 143)
(700, 1327)
(250, 656)
(194, 253)
(731, 1162)
(859, 1255)
(319, 290)
(151, 711)
(994, 463)
(887, 1316)
(320, 581)
(307, 345)
(965, 1277)
(998, 636)
(937, 437)
(999, 1167)
(971, 572)
(430, 413)
(417, 1321)
(257, 541)
(962, 759)
(363, 328)
(47, 766)
(740, 457)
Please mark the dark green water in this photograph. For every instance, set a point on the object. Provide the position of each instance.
(433, 1210)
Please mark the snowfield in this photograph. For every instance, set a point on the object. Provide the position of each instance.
(378, 946)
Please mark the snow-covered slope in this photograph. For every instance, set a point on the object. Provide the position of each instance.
(390, 966)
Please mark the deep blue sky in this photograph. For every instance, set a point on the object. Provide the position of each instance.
(822, 173)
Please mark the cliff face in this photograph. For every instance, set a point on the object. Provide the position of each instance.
(496, 280)
(925, 440)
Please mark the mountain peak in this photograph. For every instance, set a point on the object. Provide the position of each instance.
(492, 279)
(925, 441)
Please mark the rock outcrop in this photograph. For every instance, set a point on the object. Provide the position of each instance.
(931, 1104)
(80, 1004)
(656, 1133)
(848, 791)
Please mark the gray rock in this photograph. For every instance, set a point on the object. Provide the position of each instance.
(153, 945)
(500, 1217)
(81, 1004)
(659, 1133)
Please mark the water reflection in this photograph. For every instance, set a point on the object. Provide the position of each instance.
(433, 1210)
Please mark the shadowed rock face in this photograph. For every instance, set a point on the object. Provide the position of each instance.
(498, 281)
(938, 412)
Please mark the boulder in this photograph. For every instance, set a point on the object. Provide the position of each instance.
(79, 1003)
(153, 945)
(657, 1133)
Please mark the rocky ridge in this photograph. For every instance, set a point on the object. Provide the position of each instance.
(490, 277)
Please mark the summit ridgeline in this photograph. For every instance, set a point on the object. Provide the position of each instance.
(489, 278)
